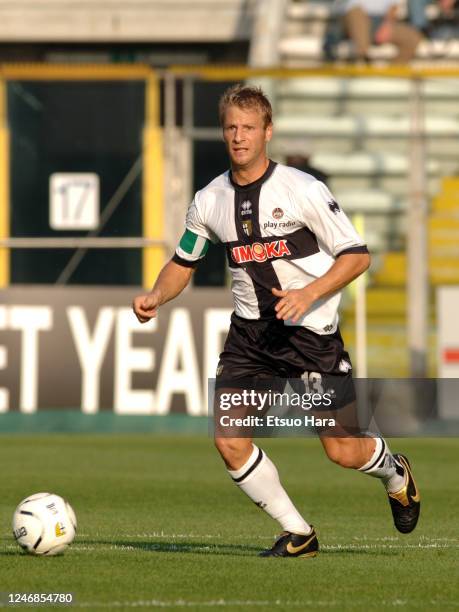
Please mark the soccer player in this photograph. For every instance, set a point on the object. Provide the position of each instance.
(299, 251)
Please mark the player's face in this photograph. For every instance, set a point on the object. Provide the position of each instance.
(245, 136)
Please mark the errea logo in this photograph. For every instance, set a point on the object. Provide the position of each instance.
(246, 207)
(260, 252)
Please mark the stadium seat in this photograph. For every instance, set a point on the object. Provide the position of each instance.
(364, 163)
(371, 201)
(354, 126)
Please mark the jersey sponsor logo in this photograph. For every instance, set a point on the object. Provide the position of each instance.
(246, 208)
(260, 252)
(275, 224)
(278, 213)
(334, 207)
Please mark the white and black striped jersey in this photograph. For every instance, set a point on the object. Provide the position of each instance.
(283, 230)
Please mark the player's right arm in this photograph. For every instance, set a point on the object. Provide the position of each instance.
(177, 273)
(171, 281)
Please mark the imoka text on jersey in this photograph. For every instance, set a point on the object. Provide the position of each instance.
(260, 251)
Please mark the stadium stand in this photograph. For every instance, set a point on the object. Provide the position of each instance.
(306, 24)
(127, 21)
(358, 131)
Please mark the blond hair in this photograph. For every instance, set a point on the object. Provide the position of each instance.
(245, 97)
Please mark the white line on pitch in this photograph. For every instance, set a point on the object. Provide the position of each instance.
(217, 603)
(215, 536)
(184, 548)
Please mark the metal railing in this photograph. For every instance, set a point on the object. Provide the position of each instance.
(81, 243)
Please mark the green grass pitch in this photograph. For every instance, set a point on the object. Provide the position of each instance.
(162, 526)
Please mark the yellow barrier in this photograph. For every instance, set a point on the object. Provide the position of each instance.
(153, 173)
(75, 72)
(218, 73)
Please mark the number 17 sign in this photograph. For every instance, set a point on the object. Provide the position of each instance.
(73, 201)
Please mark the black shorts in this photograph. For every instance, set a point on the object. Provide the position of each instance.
(267, 352)
(268, 348)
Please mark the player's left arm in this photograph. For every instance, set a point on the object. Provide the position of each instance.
(293, 304)
(319, 211)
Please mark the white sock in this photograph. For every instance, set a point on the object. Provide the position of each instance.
(383, 465)
(259, 479)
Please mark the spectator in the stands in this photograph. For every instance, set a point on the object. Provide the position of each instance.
(375, 21)
(444, 26)
(417, 14)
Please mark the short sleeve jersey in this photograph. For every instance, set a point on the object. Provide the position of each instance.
(284, 230)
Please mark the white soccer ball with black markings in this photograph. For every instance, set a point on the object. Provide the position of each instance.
(44, 524)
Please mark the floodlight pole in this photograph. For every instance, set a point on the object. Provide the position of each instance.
(417, 266)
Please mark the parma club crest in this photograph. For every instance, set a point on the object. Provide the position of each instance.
(247, 227)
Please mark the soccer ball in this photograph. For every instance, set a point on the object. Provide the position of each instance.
(44, 524)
